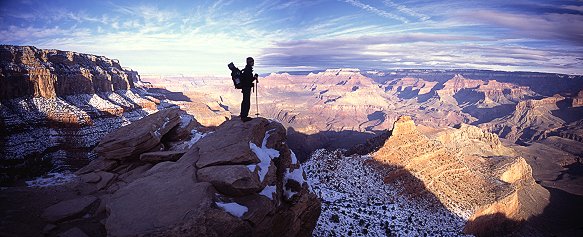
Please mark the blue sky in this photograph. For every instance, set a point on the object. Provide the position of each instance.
(201, 37)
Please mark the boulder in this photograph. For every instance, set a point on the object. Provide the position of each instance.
(69, 209)
(183, 130)
(235, 154)
(73, 232)
(138, 137)
(90, 177)
(229, 144)
(166, 196)
(98, 165)
(105, 180)
(234, 180)
(159, 156)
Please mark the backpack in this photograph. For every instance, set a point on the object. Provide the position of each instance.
(236, 76)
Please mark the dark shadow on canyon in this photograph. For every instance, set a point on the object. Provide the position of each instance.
(304, 144)
(162, 93)
(409, 186)
(561, 217)
(485, 115)
(64, 140)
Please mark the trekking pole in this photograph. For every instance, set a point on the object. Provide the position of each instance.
(257, 103)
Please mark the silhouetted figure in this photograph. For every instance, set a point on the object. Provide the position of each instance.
(247, 79)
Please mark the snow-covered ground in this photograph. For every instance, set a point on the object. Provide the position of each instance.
(51, 179)
(55, 127)
(356, 202)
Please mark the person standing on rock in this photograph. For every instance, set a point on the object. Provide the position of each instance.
(247, 79)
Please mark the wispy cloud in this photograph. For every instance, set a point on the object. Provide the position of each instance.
(376, 11)
(544, 26)
(200, 37)
(406, 10)
(421, 51)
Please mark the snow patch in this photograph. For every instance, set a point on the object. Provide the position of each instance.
(264, 154)
(195, 137)
(185, 120)
(297, 175)
(269, 191)
(233, 208)
(294, 159)
(51, 179)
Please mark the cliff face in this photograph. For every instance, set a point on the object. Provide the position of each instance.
(531, 120)
(30, 72)
(468, 170)
(56, 105)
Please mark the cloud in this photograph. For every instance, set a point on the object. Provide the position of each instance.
(296, 35)
(420, 51)
(14, 33)
(376, 11)
(548, 26)
(573, 7)
(406, 10)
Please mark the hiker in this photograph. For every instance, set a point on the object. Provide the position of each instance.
(247, 79)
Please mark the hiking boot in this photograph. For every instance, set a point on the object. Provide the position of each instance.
(246, 119)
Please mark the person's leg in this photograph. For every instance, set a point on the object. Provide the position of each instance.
(246, 103)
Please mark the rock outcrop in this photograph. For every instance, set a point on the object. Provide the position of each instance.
(239, 180)
(55, 105)
(531, 120)
(468, 170)
(28, 71)
(578, 100)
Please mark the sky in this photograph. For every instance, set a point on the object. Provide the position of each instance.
(202, 37)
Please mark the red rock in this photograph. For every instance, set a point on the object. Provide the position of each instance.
(160, 156)
(233, 180)
(28, 71)
(177, 198)
(73, 232)
(69, 209)
(136, 138)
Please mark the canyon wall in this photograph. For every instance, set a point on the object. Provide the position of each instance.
(56, 105)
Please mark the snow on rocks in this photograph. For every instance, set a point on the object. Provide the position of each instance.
(49, 131)
(226, 197)
(356, 201)
(51, 179)
(233, 208)
(296, 175)
(265, 156)
(269, 191)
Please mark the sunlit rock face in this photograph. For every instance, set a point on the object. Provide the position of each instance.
(28, 71)
(468, 170)
(533, 119)
(56, 105)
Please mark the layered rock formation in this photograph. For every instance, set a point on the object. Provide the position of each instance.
(240, 180)
(31, 72)
(578, 100)
(338, 108)
(530, 121)
(55, 105)
(468, 170)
